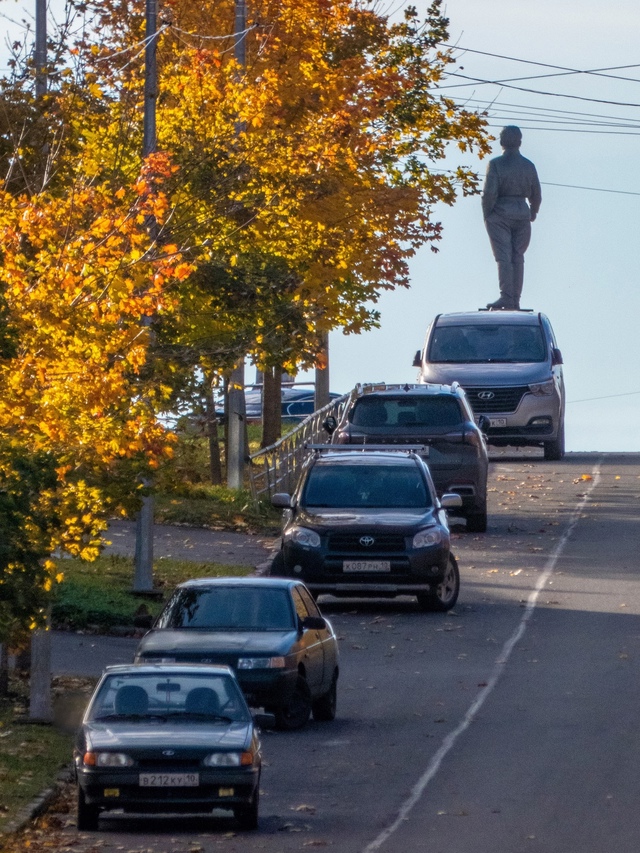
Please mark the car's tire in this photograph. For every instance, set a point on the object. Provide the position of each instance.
(445, 595)
(296, 713)
(554, 450)
(247, 815)
(87, 820)
(477, 522)
(324, 708)
(277, 565)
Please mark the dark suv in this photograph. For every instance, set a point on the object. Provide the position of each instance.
(365, 523)
(436, 416)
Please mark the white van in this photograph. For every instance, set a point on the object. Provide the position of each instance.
(510, 366)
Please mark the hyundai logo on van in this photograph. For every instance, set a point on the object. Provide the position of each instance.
(486, 395)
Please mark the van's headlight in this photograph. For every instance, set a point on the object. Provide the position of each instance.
(543, 389)
(425, 538)
(304, 536)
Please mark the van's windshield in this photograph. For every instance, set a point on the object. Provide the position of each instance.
(502, 342)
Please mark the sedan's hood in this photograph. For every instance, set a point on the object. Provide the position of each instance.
(383, 519)
(199, 640)
(498, 374)
(156, 735)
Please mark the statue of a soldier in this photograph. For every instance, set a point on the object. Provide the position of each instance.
(510, 183)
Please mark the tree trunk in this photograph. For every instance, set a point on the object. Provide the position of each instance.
(4, 669)
(215, 465)
(271, 406)
(322, 396)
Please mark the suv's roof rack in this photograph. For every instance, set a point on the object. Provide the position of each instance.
(359, 448)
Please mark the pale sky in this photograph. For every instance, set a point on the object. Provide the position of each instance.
(582, 265)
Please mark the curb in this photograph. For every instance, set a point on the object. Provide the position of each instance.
(38, 805)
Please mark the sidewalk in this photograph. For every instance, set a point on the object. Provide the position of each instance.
(88, 654)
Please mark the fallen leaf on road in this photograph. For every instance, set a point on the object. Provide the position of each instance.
(304, 808)
(316, 844)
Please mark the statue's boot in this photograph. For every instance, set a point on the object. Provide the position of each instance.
(507, 300)
(518, 281)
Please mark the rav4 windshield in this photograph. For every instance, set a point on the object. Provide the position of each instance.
(482, 343)
(361, 486)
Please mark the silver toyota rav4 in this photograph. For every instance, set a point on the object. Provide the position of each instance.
(509, 364)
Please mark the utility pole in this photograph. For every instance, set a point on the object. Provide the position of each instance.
(143, 560)
(40, 52)
(236, 417)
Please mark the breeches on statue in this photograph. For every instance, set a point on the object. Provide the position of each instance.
(509, 240)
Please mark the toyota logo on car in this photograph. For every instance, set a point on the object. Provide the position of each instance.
(367, 541)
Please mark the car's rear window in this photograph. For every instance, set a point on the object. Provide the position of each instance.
(361, 486)
(232, 608)
(482, 343)
(408, 411)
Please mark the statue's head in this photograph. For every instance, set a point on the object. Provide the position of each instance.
(510, 136)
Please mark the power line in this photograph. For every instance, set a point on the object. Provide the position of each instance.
(475, 80)
(608, 397)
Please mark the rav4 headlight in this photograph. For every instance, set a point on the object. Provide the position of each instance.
(542, 389)
(428, 537)
(304, 536)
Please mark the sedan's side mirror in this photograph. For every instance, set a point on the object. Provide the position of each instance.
(264, 720)
(313, 623)
(330, 425)
(417, 359)
(282, 500)
(450, 501)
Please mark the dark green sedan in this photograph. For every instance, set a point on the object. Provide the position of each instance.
(269, 630)
(168, 739)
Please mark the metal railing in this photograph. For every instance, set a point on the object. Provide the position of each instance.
(276, 468)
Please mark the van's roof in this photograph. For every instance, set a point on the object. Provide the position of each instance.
(489, 318)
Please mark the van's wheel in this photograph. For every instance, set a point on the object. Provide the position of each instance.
(445, 595)
(297, 711)
(324, 708)
(554, 450)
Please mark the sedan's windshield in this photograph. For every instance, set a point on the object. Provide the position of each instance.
(502, 342)
(176, 697)
(230, 608)
(381, 486)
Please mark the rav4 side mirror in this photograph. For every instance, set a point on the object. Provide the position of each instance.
(417, 359)
(330, 425)
(483, 423)
(556, 356)
(450, 501)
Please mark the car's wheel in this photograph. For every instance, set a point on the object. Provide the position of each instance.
(297, 711)
(477, 522)
(247, 815)
(554, 450)
(87, 815)
(277, 565)
(445, 595)
(324, 708)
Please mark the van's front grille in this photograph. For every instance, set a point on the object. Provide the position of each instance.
(485, 400)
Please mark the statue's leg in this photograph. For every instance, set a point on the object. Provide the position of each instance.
(499, 231)
(518, 279)
(521, 238)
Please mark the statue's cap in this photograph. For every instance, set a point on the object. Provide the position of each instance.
(510, 136)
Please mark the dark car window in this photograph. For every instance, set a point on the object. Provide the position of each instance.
(410, 411)
(502, 342)
(298, 603)
(306, 596)
(230, 608)
(357, 485)
(183, 695)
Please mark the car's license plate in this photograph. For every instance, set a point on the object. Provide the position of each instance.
(366, 566)
(497, 422)
(169, 780)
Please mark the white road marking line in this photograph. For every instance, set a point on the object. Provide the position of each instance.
(500, 664)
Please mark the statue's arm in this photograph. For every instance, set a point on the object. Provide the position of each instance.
(535, 198)
(490, 190)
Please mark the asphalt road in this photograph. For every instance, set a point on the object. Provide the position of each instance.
(507, 725)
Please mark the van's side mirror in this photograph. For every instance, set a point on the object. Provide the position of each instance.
(556, 356)
(330, 425)
(417, 359)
